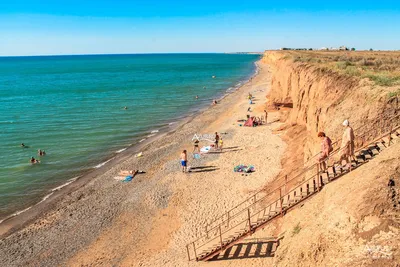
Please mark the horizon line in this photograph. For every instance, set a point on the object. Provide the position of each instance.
(149, 53)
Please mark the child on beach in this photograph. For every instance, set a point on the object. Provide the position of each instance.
(184, 160)
(221, 144)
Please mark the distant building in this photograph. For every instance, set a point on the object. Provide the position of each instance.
(344, 48)
(323, 48)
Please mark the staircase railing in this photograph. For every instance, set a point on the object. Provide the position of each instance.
(241, 220)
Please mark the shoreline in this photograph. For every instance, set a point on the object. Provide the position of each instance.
(149, 221)
(19, 219)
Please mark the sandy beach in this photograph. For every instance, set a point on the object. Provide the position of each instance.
(149, 221)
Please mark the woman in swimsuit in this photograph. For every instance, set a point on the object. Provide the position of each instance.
(196, 146)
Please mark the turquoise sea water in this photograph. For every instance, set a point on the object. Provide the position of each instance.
(73, 108)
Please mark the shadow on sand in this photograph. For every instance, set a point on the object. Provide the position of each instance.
(251, 248)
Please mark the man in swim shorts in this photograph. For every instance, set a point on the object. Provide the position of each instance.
(184, 160)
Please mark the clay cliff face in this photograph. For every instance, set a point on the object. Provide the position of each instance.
(353, 221)
(322, 99)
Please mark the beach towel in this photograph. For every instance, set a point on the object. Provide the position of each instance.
(244, 168)
(196, 156)
(205, 149)
(128, 178)
(249, 122)
(139, 155)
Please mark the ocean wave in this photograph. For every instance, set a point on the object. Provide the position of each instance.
(16, 214)
(154, 131)
(150, 135)
(142, 140)
(45, 197)
(65, 184)
(102, 164)
(119, 151)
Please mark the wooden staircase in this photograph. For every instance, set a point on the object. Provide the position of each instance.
(256, 212)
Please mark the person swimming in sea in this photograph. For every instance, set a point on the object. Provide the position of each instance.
(24, 146)
(41, 152)
(34, 161)
(197, 97)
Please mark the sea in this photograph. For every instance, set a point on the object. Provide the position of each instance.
(82, 110)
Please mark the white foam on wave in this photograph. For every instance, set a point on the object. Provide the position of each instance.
(16, 214)
(102, 164)
(45, 197)
(150, 135)
(65, 184)
(123, 149)
(154, 131)
(142, 140)
(171, 123)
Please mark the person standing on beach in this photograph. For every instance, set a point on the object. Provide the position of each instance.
(184, 160)
(221, 144)
(266, 116)
(196, 146)
(216, 140)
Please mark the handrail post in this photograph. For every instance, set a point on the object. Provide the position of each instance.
(318, 177)
(227, 224)
(187, 248)
(390, 134)
(195, 253)
(220, 235)
(248, 213)
(285, 183)
(280, 200)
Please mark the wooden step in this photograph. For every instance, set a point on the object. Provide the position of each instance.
(360, 158)
(366, 153)
(380, 145)
(386, 141)
(325, 177)
(374, 151)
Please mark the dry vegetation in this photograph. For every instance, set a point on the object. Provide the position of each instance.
(383, 68)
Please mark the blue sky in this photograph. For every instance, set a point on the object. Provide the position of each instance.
(91, 27)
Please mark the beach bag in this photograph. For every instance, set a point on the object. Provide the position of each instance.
(329, 144)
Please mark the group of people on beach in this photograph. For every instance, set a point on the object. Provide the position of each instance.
(346, 147)
(218, 145)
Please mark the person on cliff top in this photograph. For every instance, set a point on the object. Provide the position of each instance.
(184, 160)
(347, 146)
(326, 148)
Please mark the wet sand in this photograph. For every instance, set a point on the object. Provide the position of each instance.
(149, 221)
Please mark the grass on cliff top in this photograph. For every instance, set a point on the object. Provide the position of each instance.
(383, 68)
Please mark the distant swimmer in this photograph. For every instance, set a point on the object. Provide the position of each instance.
(125, 107)
(24, 146)
(213, 76)
(197, 97)
(204, 87)
(41, 152)
(34, 161)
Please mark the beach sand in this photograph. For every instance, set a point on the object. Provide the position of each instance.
(149, 221)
